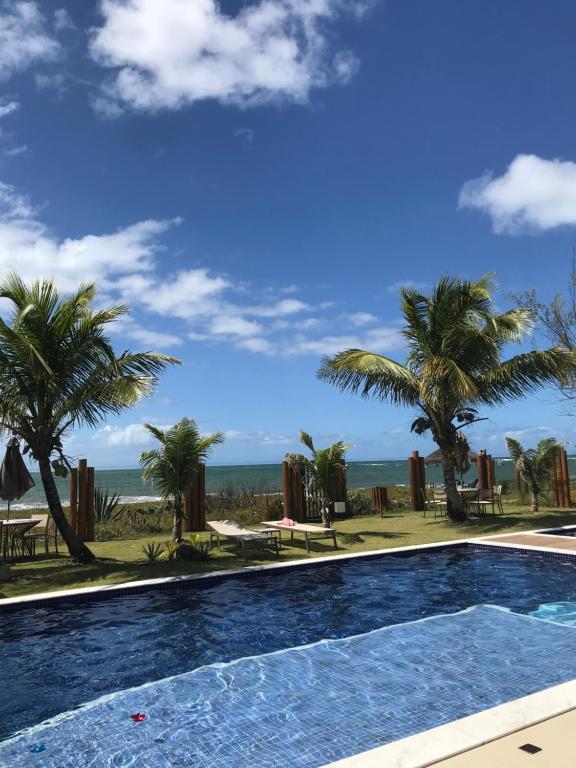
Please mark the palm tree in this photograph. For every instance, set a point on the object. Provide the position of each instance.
(57, 371)
(325, 466)
(534, 464)
(173, 467)
(454, 363)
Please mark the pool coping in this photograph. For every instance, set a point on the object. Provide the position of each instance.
(419, 750)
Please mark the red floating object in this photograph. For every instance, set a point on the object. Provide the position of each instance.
(138, 717)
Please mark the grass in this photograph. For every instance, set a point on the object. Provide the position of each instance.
(123, 560)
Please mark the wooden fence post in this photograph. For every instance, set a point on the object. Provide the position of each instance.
(90, 523)
(195, 502)
(416, 474)
(293, 491)
(566, 473)
(82, 497)
(490, 472)
(73, 494)
(380, 500)
(482, 469)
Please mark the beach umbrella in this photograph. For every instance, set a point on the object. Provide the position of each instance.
(15, 479)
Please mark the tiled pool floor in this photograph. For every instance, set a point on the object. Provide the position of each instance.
(308, 706)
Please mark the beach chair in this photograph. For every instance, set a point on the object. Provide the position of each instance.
(234, 532)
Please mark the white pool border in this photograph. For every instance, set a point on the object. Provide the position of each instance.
(427, 747)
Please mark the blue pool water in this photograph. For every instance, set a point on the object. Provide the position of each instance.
(54, 659)
(315, 704)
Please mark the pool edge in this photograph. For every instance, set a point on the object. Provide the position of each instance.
(430, 747)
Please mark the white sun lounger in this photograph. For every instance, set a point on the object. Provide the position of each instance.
(309, 531)
(233, 531)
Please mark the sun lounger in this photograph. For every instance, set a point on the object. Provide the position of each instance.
(309, 531)
(233, 531)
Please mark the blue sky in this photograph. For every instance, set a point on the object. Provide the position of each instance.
(257, 179)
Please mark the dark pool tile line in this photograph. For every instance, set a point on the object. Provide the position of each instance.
(205, 582)
(546, 554)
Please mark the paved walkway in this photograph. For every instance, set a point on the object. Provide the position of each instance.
(535, 540)
(555, 740)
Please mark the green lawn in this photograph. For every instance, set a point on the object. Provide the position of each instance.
(123, 560)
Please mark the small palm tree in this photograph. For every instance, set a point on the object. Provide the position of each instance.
(57, 371)
(454, 364)
(534, 464)
(172, 468)
(325, 466)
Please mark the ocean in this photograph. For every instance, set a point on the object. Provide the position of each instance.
(131, 488)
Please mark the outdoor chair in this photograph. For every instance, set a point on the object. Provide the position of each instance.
(43, 532)
(486, 500)
(234, 532)
(497, 493)
(435, 501)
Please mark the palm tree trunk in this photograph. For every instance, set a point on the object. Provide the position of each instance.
(455, 508)
(177, 528)
(535, 502)
(78, 550)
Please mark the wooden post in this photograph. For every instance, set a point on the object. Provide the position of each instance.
(417, 482)
(490, 472)
(566, 473)
(482, 468)
(422, 478)
(188, 521)
(293, 491)
(73, 493)
(554, 484)
(82, 497)
(380, 500)
(90, 504)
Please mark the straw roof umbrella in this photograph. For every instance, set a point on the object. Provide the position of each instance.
(15, 479)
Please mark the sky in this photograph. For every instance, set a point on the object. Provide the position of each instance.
(257, 180)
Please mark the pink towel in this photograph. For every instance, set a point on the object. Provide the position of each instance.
(287, 521)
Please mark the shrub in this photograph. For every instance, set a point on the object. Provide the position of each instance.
(195, 548)
(360, 503)
(106, 506)
(153, 552)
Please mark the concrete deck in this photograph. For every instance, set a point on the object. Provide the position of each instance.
(556, 739)
(542, 541)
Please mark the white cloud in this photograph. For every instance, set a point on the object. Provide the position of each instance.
(194, 304)
(174, 53)
(533, 195)
(133, 435)
(100, 258)
(63, 20)
(151, 339)
(23, 37)
(413, 285)
(359, 319)
(259, 438)
(8, 107)
(379, 340)
(15, 151)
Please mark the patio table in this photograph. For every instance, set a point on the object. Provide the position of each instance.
(14, 530)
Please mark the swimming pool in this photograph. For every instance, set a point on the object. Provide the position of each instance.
(273, 664)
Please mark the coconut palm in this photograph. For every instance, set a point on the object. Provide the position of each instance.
(454, 364)
(534, 464)
(325, 466)
(57, 371)
(173, 466)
